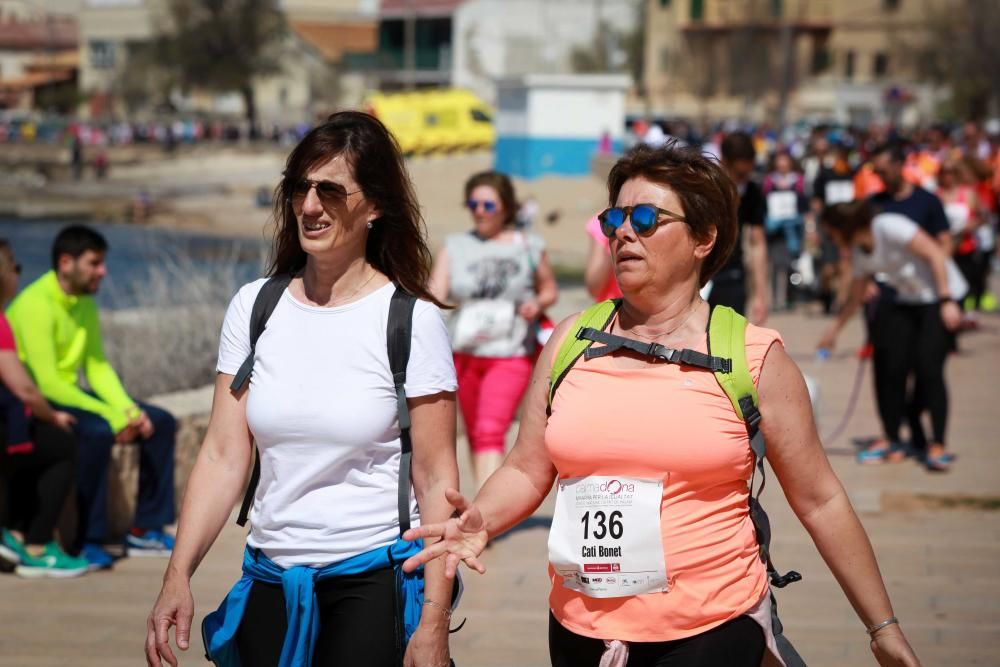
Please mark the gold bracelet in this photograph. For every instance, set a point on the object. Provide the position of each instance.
(444, 610)
(878, 626)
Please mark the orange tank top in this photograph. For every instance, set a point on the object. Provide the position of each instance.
(669, 422)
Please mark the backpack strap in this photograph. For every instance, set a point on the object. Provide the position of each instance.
(727, 338)
(612, 343)
(265, 303)
(398, 334)
(573, 346)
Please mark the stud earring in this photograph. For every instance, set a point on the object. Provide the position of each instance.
(369, 225)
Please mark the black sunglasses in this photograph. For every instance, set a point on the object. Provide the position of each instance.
(645, 218)
(329, 193)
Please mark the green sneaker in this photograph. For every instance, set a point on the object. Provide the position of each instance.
(53, 563)
(11, 549)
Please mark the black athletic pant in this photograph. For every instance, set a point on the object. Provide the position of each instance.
(359, 623)
(911, 341)
(39, 481)
(735, 643)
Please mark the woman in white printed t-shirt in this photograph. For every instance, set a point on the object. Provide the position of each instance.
(501, 281)
(321, 405)
(913, 332)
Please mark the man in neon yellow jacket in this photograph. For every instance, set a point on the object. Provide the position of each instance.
(58, 334)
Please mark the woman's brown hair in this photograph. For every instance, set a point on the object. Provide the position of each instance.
(848, 218)
(706, 193)
(504, 188)
(397, 242)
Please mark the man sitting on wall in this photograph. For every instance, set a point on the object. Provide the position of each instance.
(58, 334)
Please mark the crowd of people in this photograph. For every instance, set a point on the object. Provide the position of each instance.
(804, 172)
(167, 132)
(820, 210)
(342, 373)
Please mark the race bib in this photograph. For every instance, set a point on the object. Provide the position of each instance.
(605, 539)
(782, 205)
(481, 321)
(838, 192)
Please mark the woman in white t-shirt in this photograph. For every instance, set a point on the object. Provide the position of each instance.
(321, 406)
(501, 281)
(912, 332)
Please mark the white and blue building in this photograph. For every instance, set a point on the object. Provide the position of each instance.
(554, 123)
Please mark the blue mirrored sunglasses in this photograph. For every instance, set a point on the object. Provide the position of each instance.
(645, 218)
(488, 206)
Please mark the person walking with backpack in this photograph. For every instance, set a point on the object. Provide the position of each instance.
(659, 554)
(37, 455)
(338, 367)
(502, 282)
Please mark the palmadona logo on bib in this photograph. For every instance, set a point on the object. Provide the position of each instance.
(611, 487)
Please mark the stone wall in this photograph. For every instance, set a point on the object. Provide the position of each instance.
(191, 409)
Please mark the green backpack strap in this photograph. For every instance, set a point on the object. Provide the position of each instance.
(597, 316)
(727, 339)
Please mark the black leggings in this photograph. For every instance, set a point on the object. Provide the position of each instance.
(359, 623)
(910, 340)
(735, 643)
(39, 481)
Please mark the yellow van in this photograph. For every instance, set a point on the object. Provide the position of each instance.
(475, 121)
(435, 120)
(441, 121)
(402, 115)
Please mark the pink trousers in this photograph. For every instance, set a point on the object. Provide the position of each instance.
(489, 391)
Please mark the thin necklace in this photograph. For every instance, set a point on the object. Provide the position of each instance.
(691, 310)
(341, 300)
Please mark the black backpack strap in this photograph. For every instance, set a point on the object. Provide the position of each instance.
(265, 303)
(398, 332)
(612, 343)
(759, 518)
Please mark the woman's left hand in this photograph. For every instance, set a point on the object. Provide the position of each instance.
(892, 650)
(529, 310)
(951, 315)
(428, 647)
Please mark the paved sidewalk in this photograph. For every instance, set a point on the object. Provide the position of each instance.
(937, 538)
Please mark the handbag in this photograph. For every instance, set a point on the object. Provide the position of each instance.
(480, 321)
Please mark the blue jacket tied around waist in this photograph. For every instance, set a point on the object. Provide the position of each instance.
(219, 628)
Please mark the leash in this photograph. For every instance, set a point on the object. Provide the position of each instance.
(852, 403)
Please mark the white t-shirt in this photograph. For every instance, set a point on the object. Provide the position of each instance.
(909, 274)
(322, 409)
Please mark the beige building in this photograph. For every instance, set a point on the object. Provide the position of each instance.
(841, 60)
(38, 59)
(321, 31)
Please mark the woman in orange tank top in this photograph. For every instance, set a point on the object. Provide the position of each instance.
(653, 555)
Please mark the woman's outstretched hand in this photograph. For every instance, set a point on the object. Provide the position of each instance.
(462, 538)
